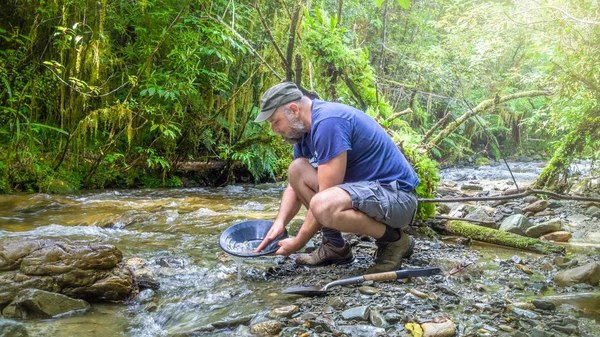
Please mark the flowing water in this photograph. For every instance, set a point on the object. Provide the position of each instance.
(175, 233)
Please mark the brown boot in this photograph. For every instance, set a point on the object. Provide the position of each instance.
(326, 254)
(389, 254)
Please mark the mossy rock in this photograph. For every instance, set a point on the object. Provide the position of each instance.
(482, 161)
(58, 186)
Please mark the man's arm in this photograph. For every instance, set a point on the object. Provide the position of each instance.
(288, 208)
(329, 174)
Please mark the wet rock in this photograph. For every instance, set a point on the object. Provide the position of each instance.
(480, 215)
(559, 236)
(568, 329)
(361, 330)
(593, 211)
(233, 322)
(443, 329)
(319, 325)
(366, 290)
(588, 273)
(377, 319)
(442, 208)
(544, 228)
(418, 293)
(537, 332)
(266, 328)
(522, 305)
(564, 262)
(521, 312)
(146, 281)
(392, 317)
(33, 303)
(544, 305)
(585, 301)
(293, 332)
(76, 270)
(357, 313)
(537, 206)
(12, 329)
(506, 328)
(135, 262)
(547, 266)
(530, 199)
(516, 224)
(337, 303)
(286, 311)
(471, 187)
(524, 268)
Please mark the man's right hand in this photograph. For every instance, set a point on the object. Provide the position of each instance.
(276, 230)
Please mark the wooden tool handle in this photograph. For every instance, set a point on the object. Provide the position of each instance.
(403, 273)
(386, 276)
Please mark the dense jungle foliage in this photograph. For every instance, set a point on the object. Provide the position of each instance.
(154, 93)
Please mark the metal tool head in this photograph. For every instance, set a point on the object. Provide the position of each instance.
(305, 291)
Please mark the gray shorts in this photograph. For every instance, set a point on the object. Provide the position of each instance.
(383, 201)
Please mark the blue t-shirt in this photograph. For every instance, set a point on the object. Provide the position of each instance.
(372, 155)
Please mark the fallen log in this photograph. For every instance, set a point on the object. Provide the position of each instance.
(495, 236)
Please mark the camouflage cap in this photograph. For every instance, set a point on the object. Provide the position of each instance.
(277, 96)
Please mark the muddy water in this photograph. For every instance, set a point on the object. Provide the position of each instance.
(175, 234)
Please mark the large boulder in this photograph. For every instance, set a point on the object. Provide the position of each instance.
(544, 228)
(516, 224)
(32, 303)
(88, 271)
(588, 273)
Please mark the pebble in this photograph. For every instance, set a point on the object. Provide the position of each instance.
(266, 328)
(418, 293)
(443, 329)
(506, 328)
(337, 303)
(286, 311)
(377, 319)
(367, 290)
(544, 305)
(357, 313)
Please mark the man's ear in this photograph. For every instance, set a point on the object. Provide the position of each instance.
(295, 109)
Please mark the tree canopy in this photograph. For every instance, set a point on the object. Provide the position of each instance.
(126, 93)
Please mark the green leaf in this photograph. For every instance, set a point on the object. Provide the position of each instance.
(44, 126)
(378, 3)
(404, 4)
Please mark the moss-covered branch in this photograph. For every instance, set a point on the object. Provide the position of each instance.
(483, 106)
(494, 236)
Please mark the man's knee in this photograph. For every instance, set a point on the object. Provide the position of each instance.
(326, 205)
(300, 170)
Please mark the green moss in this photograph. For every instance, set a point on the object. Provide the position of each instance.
(482, 161)
(502, 238)
(428, 232)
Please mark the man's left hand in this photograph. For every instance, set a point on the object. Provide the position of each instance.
(288, 246)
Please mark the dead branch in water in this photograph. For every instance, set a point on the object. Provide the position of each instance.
(511, 196)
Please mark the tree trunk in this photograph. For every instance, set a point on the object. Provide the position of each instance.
(570, 146)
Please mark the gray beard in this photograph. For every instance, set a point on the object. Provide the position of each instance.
(295, 136)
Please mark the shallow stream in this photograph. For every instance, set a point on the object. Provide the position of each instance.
(174, 233)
